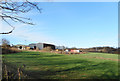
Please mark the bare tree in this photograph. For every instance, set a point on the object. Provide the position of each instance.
(5, 43)
(11, 10)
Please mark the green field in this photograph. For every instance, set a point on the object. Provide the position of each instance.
(62, 66)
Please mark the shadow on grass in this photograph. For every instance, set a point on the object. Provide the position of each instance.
(108, 73)
(40, 53)
(52, 55)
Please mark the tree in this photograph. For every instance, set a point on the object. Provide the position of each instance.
(11, 10)
(5, 43)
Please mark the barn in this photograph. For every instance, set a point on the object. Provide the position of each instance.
(41, 46)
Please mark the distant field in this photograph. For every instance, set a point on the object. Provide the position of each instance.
(63, 66)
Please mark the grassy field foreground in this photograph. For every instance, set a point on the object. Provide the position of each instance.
(62, 66)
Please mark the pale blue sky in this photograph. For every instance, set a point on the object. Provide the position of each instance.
(72, 24)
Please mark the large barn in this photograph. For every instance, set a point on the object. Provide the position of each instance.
(41, 46)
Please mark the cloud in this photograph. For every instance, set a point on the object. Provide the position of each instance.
(23, 32)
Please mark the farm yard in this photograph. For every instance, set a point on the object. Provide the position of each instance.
(43, 65)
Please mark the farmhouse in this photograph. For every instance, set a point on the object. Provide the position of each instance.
(41, 46)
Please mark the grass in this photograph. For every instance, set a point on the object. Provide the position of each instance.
(62, 66)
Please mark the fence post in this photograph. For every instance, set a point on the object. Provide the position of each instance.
(18, 73)
(6, 73)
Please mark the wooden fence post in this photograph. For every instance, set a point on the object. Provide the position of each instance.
(18, 73)
(6, 73)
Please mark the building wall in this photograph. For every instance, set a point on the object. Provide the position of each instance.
(32, 45)
(39, 46)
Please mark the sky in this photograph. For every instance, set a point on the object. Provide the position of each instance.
(70, 24)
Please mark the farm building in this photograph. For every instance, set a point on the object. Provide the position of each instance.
(20, 46)
(59, 47)
(33, 46)
(41, 46)
(70, 50)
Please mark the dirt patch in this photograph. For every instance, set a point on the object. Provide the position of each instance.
(103, 58)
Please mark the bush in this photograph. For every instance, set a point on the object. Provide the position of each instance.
(9, 50)
(47, 49)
